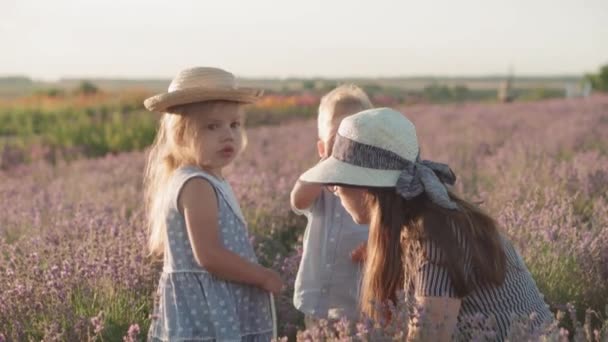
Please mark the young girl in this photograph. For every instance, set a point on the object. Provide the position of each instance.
(211, 288)
(444, 252)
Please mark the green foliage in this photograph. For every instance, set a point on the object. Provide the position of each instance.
(120, 308)
(95, 131)
(87, 88)
(308, 84)
(16, 81)
(536, 94)
(599, 81)
(98, 131)
(327, 86)
(441, 93)
(51, 92)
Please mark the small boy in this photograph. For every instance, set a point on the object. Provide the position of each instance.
(327, 284)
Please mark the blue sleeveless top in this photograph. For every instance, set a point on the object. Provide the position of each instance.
(193, 304)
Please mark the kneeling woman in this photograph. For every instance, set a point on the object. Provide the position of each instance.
(444, 252)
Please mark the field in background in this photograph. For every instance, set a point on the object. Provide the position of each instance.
(72, 240)
(72, 118)
(21, 86)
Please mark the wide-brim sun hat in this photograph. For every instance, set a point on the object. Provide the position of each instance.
(384, 128)
(201, 84)
(379, 148)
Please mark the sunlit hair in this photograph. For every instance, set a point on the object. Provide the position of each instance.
(344, 100)
(397, 232)
(174, 146)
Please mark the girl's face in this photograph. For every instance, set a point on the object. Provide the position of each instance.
(355, 202)
(219, 137)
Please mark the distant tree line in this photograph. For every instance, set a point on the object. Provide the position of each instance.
(599, 81)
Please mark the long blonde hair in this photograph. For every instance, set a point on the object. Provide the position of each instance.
(173, 147)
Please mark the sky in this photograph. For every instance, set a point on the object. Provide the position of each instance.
(48, 40)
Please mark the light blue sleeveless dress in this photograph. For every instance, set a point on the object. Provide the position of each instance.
(194, 305)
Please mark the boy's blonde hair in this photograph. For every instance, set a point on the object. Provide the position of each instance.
(174, 146)
(344, 100)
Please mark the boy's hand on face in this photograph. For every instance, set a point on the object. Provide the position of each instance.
(359, 254)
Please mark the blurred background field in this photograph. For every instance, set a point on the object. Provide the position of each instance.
(72, 239)
(70, 117)
(512, 95)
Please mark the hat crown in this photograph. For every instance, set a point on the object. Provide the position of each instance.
(384, 128)
(203, 77)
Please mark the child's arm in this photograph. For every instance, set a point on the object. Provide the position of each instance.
(304, 194)
(198, 202)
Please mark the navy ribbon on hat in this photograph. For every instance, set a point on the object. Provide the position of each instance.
(421, 176)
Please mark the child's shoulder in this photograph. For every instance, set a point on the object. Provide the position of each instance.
(184, 173)
(182, 176)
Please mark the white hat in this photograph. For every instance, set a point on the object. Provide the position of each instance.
(379, 148)
(201, 84)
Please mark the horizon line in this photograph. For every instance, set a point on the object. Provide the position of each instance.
(315, 77)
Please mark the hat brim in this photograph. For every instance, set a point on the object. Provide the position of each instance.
(334, 171)
(161, 102)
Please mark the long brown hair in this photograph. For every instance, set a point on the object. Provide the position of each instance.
(399, 226)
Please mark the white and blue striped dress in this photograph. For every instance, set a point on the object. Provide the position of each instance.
(518, 297)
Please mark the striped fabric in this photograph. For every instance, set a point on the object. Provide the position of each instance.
(517, 297)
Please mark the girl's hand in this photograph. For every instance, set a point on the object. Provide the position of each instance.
(272, 282)
(359, 254)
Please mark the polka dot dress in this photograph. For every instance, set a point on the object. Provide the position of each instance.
(194, 305)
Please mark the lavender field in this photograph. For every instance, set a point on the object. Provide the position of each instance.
(73, 259)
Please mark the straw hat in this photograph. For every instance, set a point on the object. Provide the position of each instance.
(201, 84)
(379, 148)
